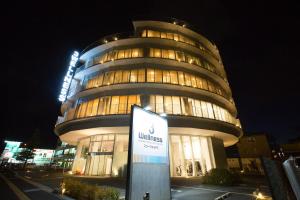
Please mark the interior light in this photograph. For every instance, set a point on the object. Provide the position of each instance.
(147, 108)
(163, 114)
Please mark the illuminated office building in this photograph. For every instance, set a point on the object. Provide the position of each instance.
(164, 66)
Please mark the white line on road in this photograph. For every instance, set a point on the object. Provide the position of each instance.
(200, 188)
(32, 190)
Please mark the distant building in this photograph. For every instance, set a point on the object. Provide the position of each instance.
(64, 155)
(250, 149)
(254, 146)
(10, 150)
(291, 149)
(42, 156)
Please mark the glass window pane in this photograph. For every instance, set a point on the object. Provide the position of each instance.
(170, 36)
(159, 104)
(158, 76)
(198, 111)
(165, 53)
(133, 76)
(144, 33)
(166, 77)
(173, 76)
(180, 56)
(122, 105)
(89, 108)
(163, 35)
(199, 83)
(150, 75)
(168, 104)
(95, 107)
(176, 105)
(114, 105)
(193, 81)
(126, 76)
(204, 109)
(127, 53)
(121, 54)
(181, 78)
(118, 77)
(157, 53)
(141, 75)
(187, 79)
(83, 109)
(136, 53)
(171, 54)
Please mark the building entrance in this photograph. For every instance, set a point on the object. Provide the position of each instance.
(99, 165)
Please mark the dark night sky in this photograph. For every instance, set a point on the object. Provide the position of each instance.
(258, 41)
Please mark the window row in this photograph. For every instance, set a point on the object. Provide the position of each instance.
(153, 76)
(181, 57)
(174, 105)
(107, 105)
(176, 37)
(154, 52)
(118, 54)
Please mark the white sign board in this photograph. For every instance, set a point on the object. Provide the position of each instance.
(149, 137)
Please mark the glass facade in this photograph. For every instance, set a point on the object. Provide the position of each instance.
(107, 106)
(172, 54)
(181, 56)
(173, 105)
(176, 105)
(151, 75)
(106, 155)
(192, 76)
(190, 155)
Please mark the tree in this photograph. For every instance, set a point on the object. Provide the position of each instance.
(25, 155)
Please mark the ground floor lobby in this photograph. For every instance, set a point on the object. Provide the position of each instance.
(106, 155)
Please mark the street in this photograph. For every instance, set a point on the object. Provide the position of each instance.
(39, 184)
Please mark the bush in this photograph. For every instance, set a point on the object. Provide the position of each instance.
(220, 177)
(82, 191)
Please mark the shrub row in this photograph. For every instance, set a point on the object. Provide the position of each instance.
(220, 177)
(83, 191)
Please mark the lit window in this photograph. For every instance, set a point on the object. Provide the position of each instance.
(141, 75)
(158, 76)
(114, 105)
(133, 76)
(173, 76)
(150, 75)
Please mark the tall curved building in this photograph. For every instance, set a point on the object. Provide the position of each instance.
(166, 67)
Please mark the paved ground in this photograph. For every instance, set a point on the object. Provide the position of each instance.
(182, 189)
(29, 191)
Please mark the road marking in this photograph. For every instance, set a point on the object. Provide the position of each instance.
(14, 188)
(223, 196)
(200, 188)
(32, 190)
(38, 185)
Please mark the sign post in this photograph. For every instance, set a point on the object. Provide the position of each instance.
(148, 171)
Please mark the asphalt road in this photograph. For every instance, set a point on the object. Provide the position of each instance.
(179, 191)
(30, 192)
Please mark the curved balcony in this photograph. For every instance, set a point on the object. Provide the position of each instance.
(140, 42)
(161, 63)
(157, 88)
(73, 129)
